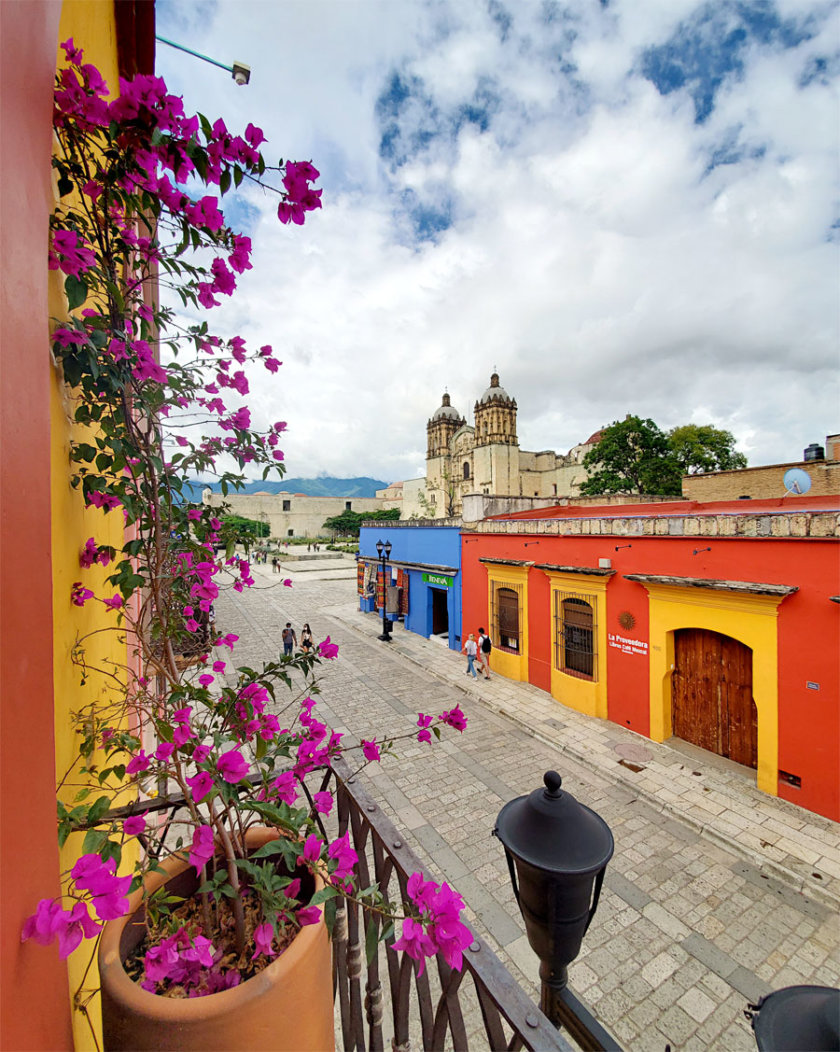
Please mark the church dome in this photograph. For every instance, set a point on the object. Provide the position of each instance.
(446, 411)
(494, 392)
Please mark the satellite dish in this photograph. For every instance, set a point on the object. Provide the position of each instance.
(797, 481)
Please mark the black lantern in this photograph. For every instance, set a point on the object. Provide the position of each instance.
(797, 1017)
(384, 550)
(557, 851)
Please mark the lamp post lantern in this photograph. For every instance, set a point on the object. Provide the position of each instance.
(384, 550)
(557, 851)
(797, 1017)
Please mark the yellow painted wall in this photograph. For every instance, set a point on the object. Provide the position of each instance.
(582, 695)
(91, 25)
(752, 620)
(514, 666)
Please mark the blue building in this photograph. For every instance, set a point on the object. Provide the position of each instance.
(422, 584)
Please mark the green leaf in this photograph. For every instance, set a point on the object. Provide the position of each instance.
(329, 916)
(111, 849)
(324, 895)
(224, 181)
(76, 290)
(94, 839)
(98, 808)
(65, 186)
(371, 939)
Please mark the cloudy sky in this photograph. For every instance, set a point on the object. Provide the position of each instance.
(624, 206)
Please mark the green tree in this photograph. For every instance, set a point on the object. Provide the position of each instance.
(239, 524)
(348, 522)
(701, 447)
(633, 456)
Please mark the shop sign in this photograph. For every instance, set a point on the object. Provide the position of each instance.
(625, 645)
(440, 579)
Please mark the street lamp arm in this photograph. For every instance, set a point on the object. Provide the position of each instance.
(195, 54)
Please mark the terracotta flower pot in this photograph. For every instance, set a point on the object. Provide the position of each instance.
(288, 1007)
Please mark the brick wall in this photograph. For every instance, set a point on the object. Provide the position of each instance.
(761, 483)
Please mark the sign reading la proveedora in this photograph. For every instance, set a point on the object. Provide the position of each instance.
(438, 578)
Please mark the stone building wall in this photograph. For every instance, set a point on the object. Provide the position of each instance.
(292, 514)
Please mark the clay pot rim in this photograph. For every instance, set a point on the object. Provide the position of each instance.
(113, 975)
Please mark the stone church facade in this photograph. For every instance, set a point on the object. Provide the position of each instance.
(485, 459)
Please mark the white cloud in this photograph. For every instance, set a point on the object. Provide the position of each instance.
(592, 258)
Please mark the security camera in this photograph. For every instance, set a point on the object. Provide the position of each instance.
(241, 73)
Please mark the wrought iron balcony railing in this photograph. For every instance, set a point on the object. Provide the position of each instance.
(386, 999)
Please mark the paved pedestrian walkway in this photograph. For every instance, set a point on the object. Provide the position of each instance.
(709, 794)
(698, 914)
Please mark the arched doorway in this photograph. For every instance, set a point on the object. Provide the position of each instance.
(712, 694)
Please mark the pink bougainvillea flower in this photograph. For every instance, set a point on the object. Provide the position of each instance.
(323, 802)
(285, 786)
(89, 554)
(109, 892)
(263, 938)
(454, 718)
(41, 926)
(308, 915)
(424, 722)
(312, 848)
(219, 666)
(344, 855)
(74, 925)
(79, 595)
(233, 766)
(138, 763)
(115, 602)
(135, 824)
(415, 942)
(292, 889)
(328, 650)
(164, 751)
(50, 921)
(201, 784)
(288, 583)
(200, 753)
(202, 847)
(182, 734)
(206, 679)
(370, 751)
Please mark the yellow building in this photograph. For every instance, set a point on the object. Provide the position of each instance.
(44, 522)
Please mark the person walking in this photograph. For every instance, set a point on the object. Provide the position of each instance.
(289, 639)
(470, 649)
(306, 640)
(484, 648)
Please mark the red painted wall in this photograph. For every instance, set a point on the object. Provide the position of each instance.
(808, 623)
(34, 1003)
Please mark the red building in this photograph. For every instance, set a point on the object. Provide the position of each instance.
(713, 623)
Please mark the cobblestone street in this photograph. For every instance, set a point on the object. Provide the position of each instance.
(690, 927)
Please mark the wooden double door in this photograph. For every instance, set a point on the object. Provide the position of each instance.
(711, 695)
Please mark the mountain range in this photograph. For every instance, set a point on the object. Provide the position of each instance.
(323, 486)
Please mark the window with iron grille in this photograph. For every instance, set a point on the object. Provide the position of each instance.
(505, 617)
(575, 635)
